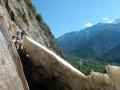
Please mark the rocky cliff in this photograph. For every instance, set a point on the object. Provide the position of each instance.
(11, 70)
(20, 15)
(29, 62)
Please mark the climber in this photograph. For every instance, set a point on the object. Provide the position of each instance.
(23, 33)
(16, 39)
(13, 39)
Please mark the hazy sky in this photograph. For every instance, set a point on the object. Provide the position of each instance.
(64, 16)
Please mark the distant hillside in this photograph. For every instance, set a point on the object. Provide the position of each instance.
(113, 55)
(95, 42)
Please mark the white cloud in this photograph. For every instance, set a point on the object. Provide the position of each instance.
(88, 24)
(110, 21)
(107, 20)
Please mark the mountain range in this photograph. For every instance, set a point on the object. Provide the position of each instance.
(98, 42)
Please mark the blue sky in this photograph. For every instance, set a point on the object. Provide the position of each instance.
(64, 16)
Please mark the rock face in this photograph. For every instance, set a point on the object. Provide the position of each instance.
(20, 15)
(11, 71)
